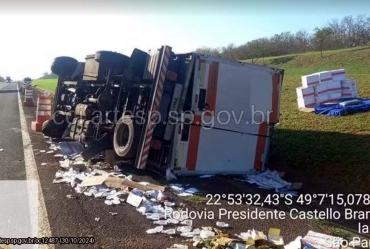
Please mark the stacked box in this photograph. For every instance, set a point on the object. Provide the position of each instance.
(325, 77)
(306, 97)
(310, 80)
(338, 75)
(325, 86)
(349, 88)
(307, 102)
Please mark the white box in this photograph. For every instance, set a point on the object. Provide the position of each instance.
(321, 88)
(350, 94)
(322, 98)
(339, 74)
(305, 92)
(349, 84)
(334, 86)
(325, 77)
(310, 80)
(335, 96)
(306, 102)
(314, 240)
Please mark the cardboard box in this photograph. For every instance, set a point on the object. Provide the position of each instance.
(351, 94)
(339, 74)
(315, 240)
(310, 80)
(349, 84)
(306, 102)
(321, 88)
(333, 96)
(303, 92)
(334, 86)
(322, 98)
(325, 77)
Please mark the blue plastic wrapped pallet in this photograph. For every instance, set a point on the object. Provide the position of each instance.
(344, 107)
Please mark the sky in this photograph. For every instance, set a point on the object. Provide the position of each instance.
(33, 33)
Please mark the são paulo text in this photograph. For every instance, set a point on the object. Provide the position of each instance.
(262, 214)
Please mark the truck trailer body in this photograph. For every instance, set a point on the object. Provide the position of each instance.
(191, 113)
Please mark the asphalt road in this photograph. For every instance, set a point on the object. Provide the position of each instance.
(12, 158)
(77, 217)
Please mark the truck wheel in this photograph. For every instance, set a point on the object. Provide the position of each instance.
(64, 64)
(52, 129)
(126, 137)
(111, 59)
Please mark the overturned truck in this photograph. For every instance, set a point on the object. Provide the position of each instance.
(189, 112)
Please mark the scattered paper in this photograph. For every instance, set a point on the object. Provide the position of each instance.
(206, 176)
(274, 236)
(221, 224)
(93, 181)
(43, 164)
(191, 190)
(170, 176)
(134, 200)
(1, 150)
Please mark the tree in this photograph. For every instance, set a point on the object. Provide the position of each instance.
(208, 51)
(47, 75)
(321, 35)
(2, 79)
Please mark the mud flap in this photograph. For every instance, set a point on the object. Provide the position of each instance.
(96, 147)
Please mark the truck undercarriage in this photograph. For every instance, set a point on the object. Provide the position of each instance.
(106, 101)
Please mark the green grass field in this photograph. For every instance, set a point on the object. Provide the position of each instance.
(337, 147)
(46, 84)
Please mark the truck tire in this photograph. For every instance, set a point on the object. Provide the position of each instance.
(64, 65)
(52, 129)
(126, 137)
(111, 59)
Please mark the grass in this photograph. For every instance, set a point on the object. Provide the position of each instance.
(46, 84)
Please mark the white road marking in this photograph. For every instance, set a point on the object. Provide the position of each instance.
(32, 174)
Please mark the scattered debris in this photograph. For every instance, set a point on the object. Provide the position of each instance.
(1, 150)
(44, 164)
(272, 180)
(221, 224)
(180, 191)
(274, 236)
(150, 200)
(69, 148)
(42, 151)
(170, 176)
(206, 176)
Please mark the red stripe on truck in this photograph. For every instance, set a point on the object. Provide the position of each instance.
(212, 87)
(194, 143)
(260, 147)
